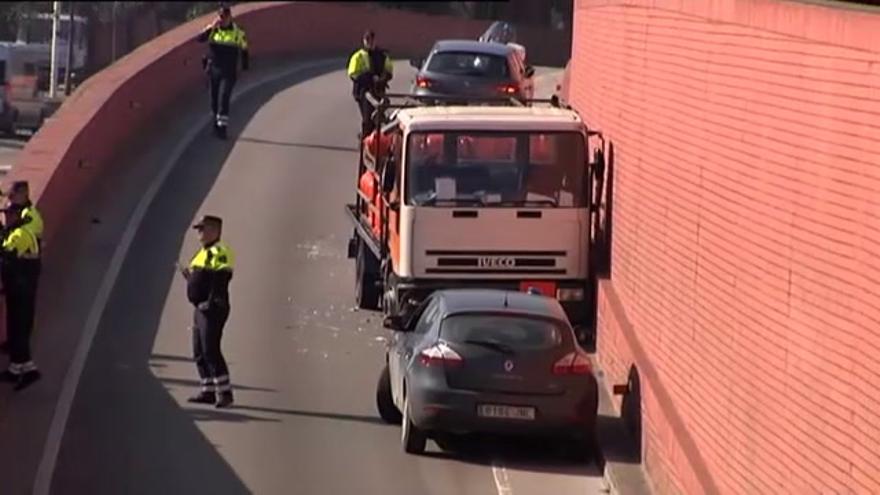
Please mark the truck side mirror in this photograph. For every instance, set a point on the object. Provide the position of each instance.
(389, 175)
(530, 71)
(599, 163)
(394, 322)
(416, 63)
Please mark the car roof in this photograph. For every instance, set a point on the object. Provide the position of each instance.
(457, 301)
(471, 46)
(489, 117)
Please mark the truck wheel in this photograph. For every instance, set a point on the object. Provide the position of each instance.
(366, 269)
(385, 401)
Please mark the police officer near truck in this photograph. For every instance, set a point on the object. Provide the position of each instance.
(370, 70)
(208, 277)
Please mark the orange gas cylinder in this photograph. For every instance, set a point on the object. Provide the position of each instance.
(367, 184)
(376, 141)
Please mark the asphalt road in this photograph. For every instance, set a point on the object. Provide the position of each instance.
(304, 364)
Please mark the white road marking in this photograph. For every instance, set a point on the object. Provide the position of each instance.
(46, 469)
(502, 481)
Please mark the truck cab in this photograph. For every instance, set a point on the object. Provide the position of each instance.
(473, 196)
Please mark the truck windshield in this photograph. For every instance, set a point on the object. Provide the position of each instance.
(496, 169)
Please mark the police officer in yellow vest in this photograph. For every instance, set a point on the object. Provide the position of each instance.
(208, 277)
(20, 272)
(227, 44)
(370, 69)
(19, 194)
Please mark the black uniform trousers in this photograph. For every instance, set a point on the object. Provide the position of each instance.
(21, 302)
(366, 109)
(207, 333)
(222, 81)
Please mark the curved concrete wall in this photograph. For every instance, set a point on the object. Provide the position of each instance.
(98, 121)
(745, 282)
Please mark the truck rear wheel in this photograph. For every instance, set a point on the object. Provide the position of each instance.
(366, 275)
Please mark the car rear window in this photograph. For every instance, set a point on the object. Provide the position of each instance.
(517, 332)
(469, 64)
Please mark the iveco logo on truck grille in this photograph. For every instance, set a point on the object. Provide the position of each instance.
(496, 262)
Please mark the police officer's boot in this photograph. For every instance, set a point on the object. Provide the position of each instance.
(224, 400)
(203, 398)
(26, 379)
(220, 125)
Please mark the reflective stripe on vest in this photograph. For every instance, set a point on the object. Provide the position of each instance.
(216, 257)
(232, 37)
(23, 243)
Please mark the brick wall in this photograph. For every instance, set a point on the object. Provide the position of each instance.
(745, 284)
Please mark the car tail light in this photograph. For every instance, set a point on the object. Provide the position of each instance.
(508, 89)
(440, 355)
(424, 82)
(573, 363)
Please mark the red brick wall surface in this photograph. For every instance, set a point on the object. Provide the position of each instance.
(745, 280)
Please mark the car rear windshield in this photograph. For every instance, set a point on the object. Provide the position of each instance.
(517, 332)
(469, 64)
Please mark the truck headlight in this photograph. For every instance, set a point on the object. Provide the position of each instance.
(570, 294)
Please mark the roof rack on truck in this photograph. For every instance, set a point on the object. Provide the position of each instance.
(406, 100)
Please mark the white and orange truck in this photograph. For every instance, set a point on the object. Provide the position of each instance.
(489, 196)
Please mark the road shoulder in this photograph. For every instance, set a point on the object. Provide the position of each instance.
(618, 459)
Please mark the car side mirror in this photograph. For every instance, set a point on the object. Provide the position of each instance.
(416, 62)
(530, 71)
(394, 322)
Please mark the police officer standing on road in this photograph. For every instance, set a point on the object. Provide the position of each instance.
(370, 69)
(227, 43)
(19, 194)
(20, 272)
(208, 277)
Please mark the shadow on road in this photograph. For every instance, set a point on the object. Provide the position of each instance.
(307, 414)
(347, 149)
(534, 455)
(126, 433)
(194, 384)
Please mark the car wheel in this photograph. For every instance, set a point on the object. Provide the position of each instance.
(412, 437)
(367, 294)
(384, 400)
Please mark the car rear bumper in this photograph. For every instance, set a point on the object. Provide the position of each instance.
(465, 97)
(455, 411)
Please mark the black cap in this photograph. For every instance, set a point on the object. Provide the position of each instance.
(225, 9)
(209, 220)
(17, 186)
(369, 34)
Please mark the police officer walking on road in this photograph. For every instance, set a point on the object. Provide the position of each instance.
(370, 69)
(227, 44)
(208, 277)
(19, 194)
(20, 272)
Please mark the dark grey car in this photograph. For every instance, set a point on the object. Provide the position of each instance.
(488, 361)
(470, 68)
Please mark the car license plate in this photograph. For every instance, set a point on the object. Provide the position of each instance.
(506, 412)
